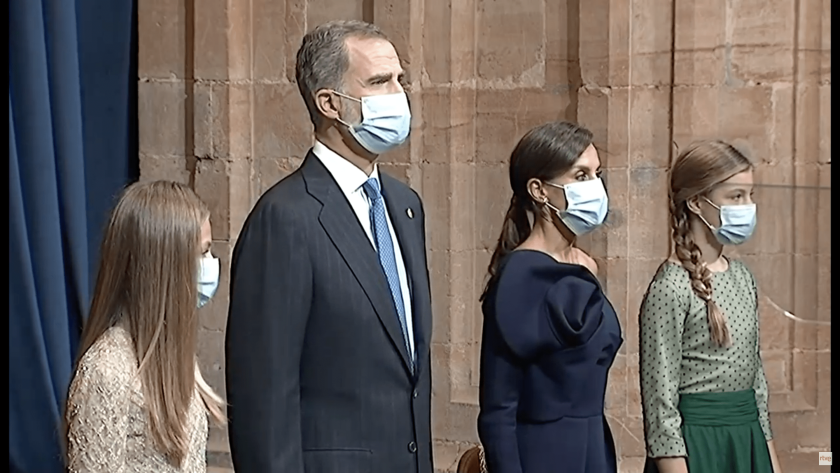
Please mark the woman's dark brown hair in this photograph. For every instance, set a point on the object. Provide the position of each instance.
(696, 172)
(147, 282)
(544, 153)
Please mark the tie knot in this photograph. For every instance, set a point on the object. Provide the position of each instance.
(371, 187)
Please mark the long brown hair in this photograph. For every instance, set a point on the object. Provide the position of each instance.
(147, 282)
(697, 171)
(544, 153)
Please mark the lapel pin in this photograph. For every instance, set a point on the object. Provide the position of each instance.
(409, 212)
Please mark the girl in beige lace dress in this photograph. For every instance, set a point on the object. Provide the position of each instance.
(138, 402)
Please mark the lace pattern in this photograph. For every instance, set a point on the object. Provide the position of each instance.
(108, 425)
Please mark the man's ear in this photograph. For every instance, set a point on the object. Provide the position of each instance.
(327, 103)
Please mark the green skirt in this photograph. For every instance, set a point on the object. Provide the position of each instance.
(722, 434)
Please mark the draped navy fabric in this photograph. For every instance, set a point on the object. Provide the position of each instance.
(55, 173)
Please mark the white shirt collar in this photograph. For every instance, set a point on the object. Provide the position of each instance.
(349, 177)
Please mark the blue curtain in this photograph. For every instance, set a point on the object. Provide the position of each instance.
(64, 121)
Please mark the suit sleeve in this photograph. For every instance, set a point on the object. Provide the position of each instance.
(270, 296)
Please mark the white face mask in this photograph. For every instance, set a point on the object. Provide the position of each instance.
(386, 122)
(208, 278)
(586, 205)
(737, 223)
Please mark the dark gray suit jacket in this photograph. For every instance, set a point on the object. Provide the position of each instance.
(317, 373)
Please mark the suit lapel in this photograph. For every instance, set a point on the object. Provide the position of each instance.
(407, 229)
(343, 228)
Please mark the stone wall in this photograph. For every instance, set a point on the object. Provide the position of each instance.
(218, 108)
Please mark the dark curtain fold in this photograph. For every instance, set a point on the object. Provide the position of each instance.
(59, 192)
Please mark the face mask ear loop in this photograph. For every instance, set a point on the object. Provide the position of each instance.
(339, 119)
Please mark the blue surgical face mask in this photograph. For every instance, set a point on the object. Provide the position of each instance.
(586, 205)
(386, 122)
(208, 278)
(737, 223)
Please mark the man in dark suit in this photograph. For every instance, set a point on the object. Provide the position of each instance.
(327, 348)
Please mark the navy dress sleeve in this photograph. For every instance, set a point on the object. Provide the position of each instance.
(538, 306)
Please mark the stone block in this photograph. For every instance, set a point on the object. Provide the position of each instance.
(695, 114)
(562, 65)
(162, 28)
(438, 206)
(161, 112)
(648, 128)
(700, 26)
(824, 378)
(745, 115)
(596, 25)
(173, 168)
(650, 44)
(825, 127)
(616, 276)
(700, 67)
(492, 199)
(221, 120)
(394, 17)
(322, 11)
(628, 433)
(616, 226)
(436, 126)
(633, 388)
(281, 122)
(438, 46)
(649, 226)
(511, 42)
(274, 54)
(814, 24)
(763, 22)
(760, 64)
(605, 112)
(225, 187)
(809, 123)
(618, 384)
(210, 42)
(211, 358)
(439, 279)
(778, 371)
(504, 116)
(464, 309)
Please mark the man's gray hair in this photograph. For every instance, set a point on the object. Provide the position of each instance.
(322, 59)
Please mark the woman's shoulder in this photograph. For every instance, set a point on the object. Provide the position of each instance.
(534, 269)
(109, 365)
(540, 302)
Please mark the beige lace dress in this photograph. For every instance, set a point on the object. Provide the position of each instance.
(108, 425)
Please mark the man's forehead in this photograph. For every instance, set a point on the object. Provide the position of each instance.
(366, 50)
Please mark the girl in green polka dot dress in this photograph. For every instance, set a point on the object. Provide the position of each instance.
(704, 394)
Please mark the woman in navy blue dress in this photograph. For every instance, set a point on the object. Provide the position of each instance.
(550, 334)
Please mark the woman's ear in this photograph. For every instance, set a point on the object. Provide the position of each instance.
(693, 205)
(536, 190)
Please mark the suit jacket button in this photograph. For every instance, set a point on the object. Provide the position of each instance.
(414, 394)
(412, 447)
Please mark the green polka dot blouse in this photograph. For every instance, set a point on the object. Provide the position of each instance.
(677, 355)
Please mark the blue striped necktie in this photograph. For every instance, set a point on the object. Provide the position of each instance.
(387, 256)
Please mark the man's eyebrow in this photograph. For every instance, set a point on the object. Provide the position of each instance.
(379, 78)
